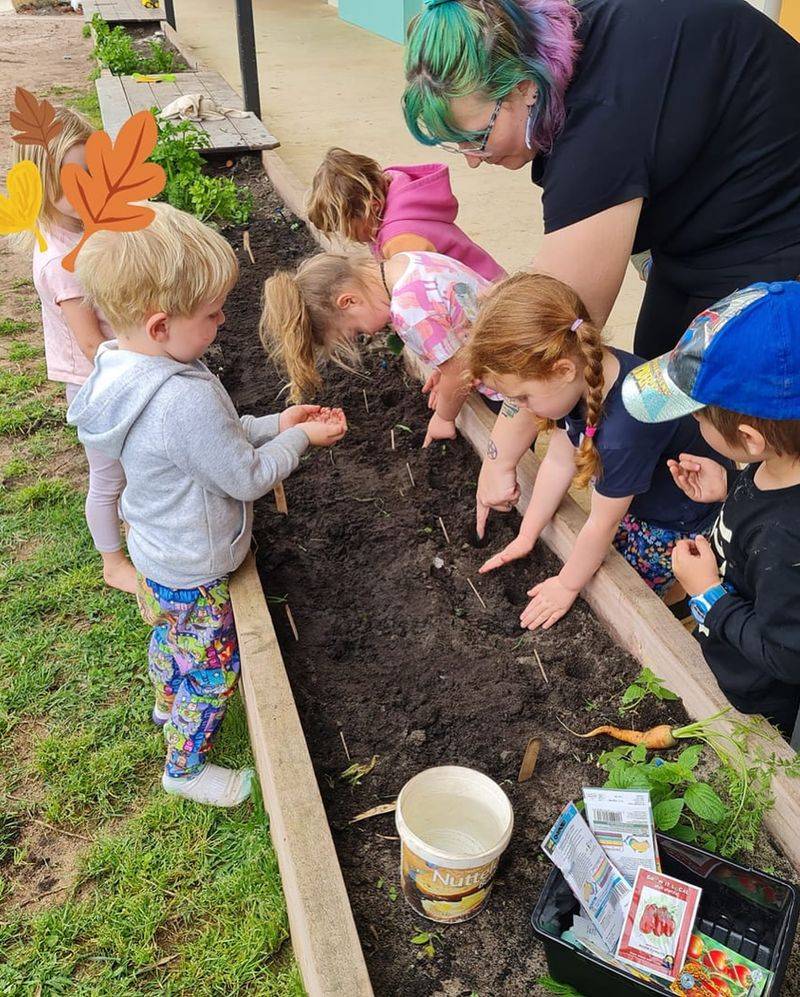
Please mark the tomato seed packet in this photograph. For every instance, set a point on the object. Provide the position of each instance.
(712, 969)
(659, 923)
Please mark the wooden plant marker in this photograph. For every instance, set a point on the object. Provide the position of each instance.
(280, 499)
(529, 760)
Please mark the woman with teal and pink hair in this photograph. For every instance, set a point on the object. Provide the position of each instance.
(663, 125)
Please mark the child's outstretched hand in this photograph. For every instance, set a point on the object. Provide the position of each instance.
(702, 479)
(327, 429)
(431, 388)
(551, 600)
(520, 546)
(295, 415)
(439, 429)
(694, 564)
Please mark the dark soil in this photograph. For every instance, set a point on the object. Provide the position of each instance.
(397, 657)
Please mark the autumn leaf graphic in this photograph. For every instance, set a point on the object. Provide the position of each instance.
(34, 120)
(116, 176)
(19, 211)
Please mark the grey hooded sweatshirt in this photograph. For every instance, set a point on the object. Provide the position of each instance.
(193, 466)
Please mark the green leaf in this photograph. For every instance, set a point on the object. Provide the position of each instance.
(663, 693)
(639, 753)
(709, 841)
(395, 343)
(684, 832)
(667, 814)
(690, 757)
(422, 938)
(703, 801)
(633, 694)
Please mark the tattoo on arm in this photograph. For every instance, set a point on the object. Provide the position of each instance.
(509, 410)
(491, 450)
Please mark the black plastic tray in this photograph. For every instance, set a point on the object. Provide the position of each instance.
(751, 912)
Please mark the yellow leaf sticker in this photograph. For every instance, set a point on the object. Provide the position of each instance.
(20, 210)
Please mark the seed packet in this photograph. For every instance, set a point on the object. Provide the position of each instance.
(712, 969)
(600, 888)
(658, 924)
(622, 822)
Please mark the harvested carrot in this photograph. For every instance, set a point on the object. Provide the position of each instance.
(653, 739)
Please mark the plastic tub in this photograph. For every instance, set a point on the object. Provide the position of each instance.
(454, 824)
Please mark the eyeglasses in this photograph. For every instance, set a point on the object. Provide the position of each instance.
(476, 150)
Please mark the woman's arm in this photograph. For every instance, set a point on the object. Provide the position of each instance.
(591, 256)
(83, 324)
(553, 597)
(513, 433)
(552, 483)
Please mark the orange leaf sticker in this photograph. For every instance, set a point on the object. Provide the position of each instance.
(34, 120)
(116, 176)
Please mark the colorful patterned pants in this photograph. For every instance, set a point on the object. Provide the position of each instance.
(649, 549)
(193, 663)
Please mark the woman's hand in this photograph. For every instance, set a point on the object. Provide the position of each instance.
(439, 429)
(498, 489)
(328, 429)
(519, 547)
(694, 565)
(551, 600)
(702, 479)
(297, 414)
(431, 388)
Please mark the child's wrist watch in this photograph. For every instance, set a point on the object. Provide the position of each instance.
(701, 603)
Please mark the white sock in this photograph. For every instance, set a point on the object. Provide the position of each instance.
(160, 717)
(213, 784)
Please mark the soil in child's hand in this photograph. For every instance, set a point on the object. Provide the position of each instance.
(397, 656)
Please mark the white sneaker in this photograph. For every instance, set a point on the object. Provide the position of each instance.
(213, 785)
(160, 717)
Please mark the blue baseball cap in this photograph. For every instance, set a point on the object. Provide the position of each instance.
(742, 354)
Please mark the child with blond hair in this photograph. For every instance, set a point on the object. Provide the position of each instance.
(321, 309)
(535, 343)
(73, 329)
(397, 209)
(193, 469)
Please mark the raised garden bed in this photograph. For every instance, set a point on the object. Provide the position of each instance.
(397, 658)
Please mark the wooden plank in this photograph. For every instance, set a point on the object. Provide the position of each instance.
(190, 57)
(114, 107)
(140, 95)
(639, 620)
(121, 11)
(324, 936)
(223, 134)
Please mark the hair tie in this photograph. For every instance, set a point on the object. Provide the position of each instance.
(576, 325)
(590, 430)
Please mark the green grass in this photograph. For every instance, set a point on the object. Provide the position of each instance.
(11, 326)
(168, 897)
(24, 351)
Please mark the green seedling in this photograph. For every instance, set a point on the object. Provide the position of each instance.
(645, 684)
(425, 939)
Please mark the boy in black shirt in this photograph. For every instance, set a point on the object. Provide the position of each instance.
(738, 368)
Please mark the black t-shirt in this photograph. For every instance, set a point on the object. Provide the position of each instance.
(751, 637)
(693, 105)
(634, 456)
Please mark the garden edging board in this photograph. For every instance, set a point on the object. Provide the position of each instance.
(324, 935)
(636, 617)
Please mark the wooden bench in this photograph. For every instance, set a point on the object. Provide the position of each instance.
(122, 96)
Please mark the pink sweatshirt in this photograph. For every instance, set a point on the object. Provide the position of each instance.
(65, 359)
(421, 202)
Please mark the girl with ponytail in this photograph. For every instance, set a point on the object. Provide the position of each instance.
(320, 310)
(534, 342)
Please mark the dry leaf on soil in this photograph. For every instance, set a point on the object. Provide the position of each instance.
(19, 211)
(116, 175)
(35, 120)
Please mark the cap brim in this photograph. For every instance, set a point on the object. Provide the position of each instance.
(650, 394)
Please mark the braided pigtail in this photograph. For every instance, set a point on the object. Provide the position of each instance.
(590, 348)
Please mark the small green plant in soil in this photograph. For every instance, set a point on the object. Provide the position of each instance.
(645, 684)
(115, 50)
(354, 773)
(188, 188)
(426, 939)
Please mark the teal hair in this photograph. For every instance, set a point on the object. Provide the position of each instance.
(460, 47)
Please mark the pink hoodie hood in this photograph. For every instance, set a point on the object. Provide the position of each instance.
(420, 201)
